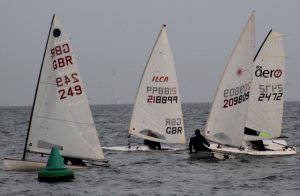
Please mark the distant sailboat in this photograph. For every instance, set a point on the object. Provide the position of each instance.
(61, 114)
(157, 114)
(244, 98)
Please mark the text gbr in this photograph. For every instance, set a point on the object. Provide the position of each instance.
(174, 125)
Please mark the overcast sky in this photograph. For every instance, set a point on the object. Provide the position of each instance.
(121, 33)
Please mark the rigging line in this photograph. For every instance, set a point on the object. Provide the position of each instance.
(277, 56)
(282, 144)
(48, 83)
(63, 120)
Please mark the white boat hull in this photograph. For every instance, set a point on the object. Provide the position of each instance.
(140, 148)
(26, 165)
(274, 148)
(208, 155)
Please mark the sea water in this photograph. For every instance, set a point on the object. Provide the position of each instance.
(155, 172)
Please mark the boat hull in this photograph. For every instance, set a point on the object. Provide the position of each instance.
(274, 148)
(203, 155)
(140, 148)
(26, 165)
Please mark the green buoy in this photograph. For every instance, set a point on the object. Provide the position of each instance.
(55, 169)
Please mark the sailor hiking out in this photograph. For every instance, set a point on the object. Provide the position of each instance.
(198, 142)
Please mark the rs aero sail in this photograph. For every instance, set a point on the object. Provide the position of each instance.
(61, 115)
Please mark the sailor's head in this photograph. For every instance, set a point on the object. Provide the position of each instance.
(197, 132)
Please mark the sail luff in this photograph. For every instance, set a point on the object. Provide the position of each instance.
(36, 90)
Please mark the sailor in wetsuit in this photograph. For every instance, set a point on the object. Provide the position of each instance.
(74, 161)
(197, 142)
(152, 144)
(258, 145)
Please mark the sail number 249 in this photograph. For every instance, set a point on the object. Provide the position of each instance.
(68, 84)
(67, 81)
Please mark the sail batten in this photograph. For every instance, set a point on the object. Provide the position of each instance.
(56, 119)
(157, 113)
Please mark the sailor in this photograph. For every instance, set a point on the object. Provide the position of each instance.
(152, 144)
(258, 145)
(74, 161)
(197, 142)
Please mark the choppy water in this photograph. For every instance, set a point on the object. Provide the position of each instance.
(157, 172)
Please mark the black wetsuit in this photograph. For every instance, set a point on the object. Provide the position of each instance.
(152, 144)
(258, 145)
(197, 142)
(74, 161)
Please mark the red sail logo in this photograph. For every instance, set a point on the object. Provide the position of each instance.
(160, 79)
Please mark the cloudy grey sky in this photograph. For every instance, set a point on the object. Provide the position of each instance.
(121, 33)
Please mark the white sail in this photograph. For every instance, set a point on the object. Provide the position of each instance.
(61, 114)
(157, 113)
(265, 111)
(227, 117)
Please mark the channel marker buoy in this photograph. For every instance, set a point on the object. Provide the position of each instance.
(55, 169)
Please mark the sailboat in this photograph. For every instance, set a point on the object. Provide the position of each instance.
(60, 115)
(157, 113)
(263, 127)
(264, 116)
(251, 110)
(227, 116)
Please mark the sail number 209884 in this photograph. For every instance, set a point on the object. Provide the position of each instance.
(236, 100)
(237, 95)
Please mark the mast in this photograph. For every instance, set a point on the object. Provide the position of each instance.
(262, 45)
(36, 90)
(115, 101)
